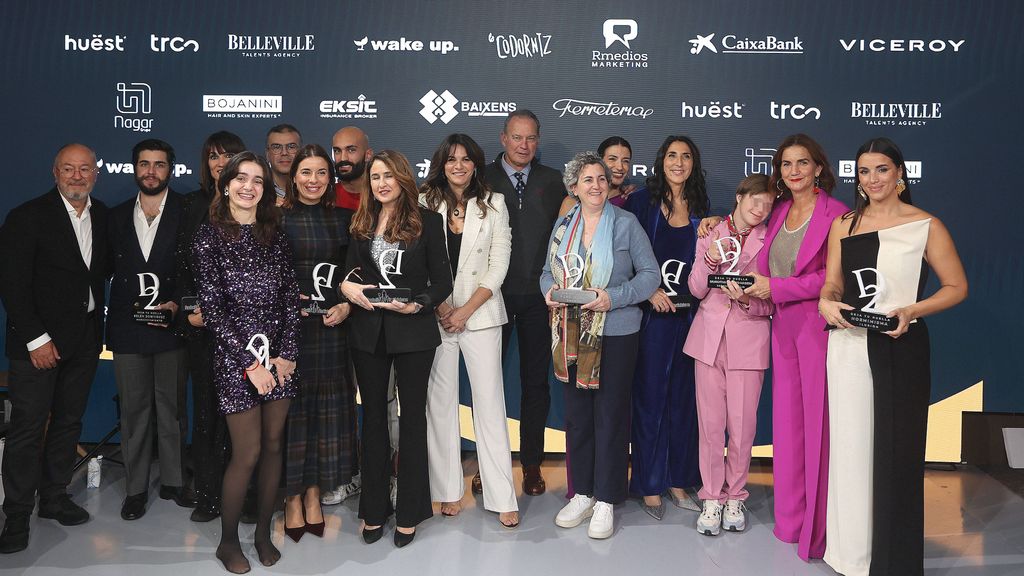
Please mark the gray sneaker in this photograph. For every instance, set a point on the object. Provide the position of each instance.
(709, 523)
(342, 493)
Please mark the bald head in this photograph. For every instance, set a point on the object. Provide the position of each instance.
(352, 151)
(74, 171)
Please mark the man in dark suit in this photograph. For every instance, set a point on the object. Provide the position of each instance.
(53, 264)
(149, 359)
(533, 193)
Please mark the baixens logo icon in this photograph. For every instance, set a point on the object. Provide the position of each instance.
(133, 104)
(94, 43)
(713, 109)
(445, 106)
(732, 44)
(899, 45)
(794, 111)
(405, 45)
(172, 43)
(619, 33)
(358, 108)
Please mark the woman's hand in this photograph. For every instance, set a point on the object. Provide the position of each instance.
(285, 368)
(443, 311)
(707, 224)
(831, 311)
(734, 292)
(714, 251)
(353, 292)
(551, 303)
(172, 306)
(905, 316)
(661, 302)
(261, 379)
(337, 314)
(400, 307)
(455, 321)
(761, 288)
(602, 303)
(196, 318)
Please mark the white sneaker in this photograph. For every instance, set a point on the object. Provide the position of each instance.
(709, 523)
(394, 493)
(734, 519)
(342, 493)
(575, 512)
(602, 524)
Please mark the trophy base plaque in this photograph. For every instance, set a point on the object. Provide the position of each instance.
(314, 308)
(871, 320)
(189, 304)
(573, 295)
(385, 295)
(719, 280)
(681, 301)
(147, 316)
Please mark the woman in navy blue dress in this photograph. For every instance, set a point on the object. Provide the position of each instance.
(664, 423)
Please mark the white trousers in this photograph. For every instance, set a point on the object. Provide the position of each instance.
(482, 352)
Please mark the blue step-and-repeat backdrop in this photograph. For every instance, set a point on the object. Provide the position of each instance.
(941, 78)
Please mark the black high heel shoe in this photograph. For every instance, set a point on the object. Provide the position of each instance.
(372, 535)
(402, 539)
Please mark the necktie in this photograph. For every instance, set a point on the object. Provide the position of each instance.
(520, 188)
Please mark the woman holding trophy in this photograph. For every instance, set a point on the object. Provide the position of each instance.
(878, 365)
(600, 266)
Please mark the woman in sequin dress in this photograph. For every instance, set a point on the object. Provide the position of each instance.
(250, 301)
(321, 440)
(394, 244)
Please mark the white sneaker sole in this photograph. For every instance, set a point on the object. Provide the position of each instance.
(600, 535)
(739, 527)
(708, 531)
(575, 521)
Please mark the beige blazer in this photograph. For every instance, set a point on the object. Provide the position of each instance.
(483, 260)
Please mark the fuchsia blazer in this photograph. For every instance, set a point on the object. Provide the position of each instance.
(747, 331)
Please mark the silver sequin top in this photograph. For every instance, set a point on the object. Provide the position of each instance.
(785, 247)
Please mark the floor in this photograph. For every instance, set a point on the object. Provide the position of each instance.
(975, 526)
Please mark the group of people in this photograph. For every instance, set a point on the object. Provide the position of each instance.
(659, 319)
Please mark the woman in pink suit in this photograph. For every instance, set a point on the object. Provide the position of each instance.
(791, 272)
(729, 343)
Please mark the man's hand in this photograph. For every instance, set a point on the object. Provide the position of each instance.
(45, 357)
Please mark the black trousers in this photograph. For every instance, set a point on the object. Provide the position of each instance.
(38, 457)
(210, 442)
(597, 423)
(412, 372)
(529, 315)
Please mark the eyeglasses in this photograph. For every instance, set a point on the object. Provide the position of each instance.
(278, 148)
(86, 171)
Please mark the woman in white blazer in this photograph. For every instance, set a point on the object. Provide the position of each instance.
(479, 244)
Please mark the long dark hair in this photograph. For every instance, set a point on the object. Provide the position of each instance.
(826, 180)
(695, 190)
(222, 142)
(291, 194)
(268, 216)
(892, 151)
(406, 224)
(436, 188)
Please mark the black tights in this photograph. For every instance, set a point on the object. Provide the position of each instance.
(247, 449)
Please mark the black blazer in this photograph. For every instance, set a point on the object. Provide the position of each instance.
(44, 283)
(124, 335)
(425, 271)
(531, 225)
(194, 212)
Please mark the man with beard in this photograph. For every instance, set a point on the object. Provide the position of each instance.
(149, 359)
(53, 263)
(283, 142)
(352, 151)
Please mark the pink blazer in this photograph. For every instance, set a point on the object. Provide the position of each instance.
(747, 331)
(809, 272)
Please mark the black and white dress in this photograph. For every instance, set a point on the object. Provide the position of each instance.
(878, 391)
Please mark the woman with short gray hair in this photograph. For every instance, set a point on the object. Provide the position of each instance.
(600, 255)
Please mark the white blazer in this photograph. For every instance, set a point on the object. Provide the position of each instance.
(483, 259)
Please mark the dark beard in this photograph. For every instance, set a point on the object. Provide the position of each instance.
(356, 173)
(161, 185)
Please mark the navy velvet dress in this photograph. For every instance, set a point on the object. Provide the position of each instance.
(664, 423)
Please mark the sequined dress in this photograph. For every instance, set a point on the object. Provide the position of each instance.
(245, 289)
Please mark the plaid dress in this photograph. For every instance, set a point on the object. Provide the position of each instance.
(321, 428)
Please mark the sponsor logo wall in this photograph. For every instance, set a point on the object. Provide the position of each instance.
(736, 77)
